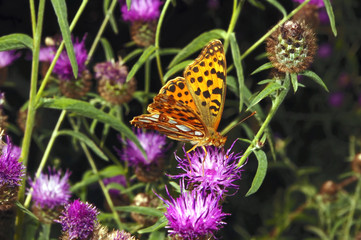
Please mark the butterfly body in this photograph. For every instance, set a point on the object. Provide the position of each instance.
(189, 108)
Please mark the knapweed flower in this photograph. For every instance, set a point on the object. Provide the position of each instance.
(8, 57)
(120, 235)
(336, 99)
(111, 82)
(193, 215)
(155, 146)
(291, 47)
(11, 173)
(46, 53)
(215, 173)
(318, 3)
(51, 190)
(324, 50)
(78, 220)
(143, 15)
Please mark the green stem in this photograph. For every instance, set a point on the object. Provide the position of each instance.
(102, 186)
(46, 154)
(277, 103)
(60, 49)
(157, 35)
(351, 214)
(45, 233)
(146, 84)
(32, 16)
(264, 37)
(235, 14)
(31, 113)
(101, 30)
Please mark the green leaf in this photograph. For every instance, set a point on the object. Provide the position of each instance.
(160, 224)
(25, 210)
(236, 56)
(257, 4)
(129, 3)
(112, 21)
(61, 13)
(156, 235)
(278, 6)
(315, 78)
(261, 172)
(177, 68)
(147, 52)
(265, 81)
(233, 85)
(107, 49)
(132, 54)
(197, 43)
(265, 66)
(15, 41)
(82, 137)
(142, 210)
(331, 16)
(87, 110)
(294, 81)
(269, 89)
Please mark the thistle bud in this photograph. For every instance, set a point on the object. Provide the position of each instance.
(291, 47)
(76, 88)
(143, 33)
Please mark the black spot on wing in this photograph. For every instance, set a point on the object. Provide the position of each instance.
(206, 94)
(217, 91)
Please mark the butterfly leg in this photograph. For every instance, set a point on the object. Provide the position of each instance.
(190, 150)
(204, 159)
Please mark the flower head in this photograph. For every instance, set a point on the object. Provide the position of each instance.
(78, 219)
(141, 10)
(8, 57)
(153, 143)
(63, 66)
(216, 172)
(120, 179)
(193, 215)
(11, 170)
(51, 190)
(46, 54)
(113, 71)
(318, 3)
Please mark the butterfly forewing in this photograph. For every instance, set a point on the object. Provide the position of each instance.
(206, 80)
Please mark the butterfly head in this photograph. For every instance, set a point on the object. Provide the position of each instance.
(216, 139)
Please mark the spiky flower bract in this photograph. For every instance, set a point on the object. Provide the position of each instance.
(141, 10)
(11, 170)
(78, 220)
(193, 215)
(63, 66)
(51, 190)
(8, 57)
(318, 3)
(291, 47)
(215, 173)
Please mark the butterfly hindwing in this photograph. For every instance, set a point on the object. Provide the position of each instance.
(206, 80)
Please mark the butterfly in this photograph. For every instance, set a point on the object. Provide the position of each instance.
(189, 108)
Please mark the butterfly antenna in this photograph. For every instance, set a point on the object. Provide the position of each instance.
(224, 132)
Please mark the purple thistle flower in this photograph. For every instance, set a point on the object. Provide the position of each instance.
(113, 71)
(11, 170)
(141, 10)
(318, 3)
(63, 66)
(120, 235)
(120, 179)
(336, 99)
(153, 143)
(46, 54)
(216, 172)
(78, 219)
(8, 57)
(324, 50)
(51, 190)
(193, 215)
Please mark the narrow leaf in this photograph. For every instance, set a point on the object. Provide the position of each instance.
(331, 16)
(233, 85)
(156, 235)
(236, 56)
(112, 21)
(129, 3)
(143, 210)
(15, 41)
(25, 210)
(147, 52)
(269, 89)
(278, 6)
(265, 66)
(87, 110)
(315, 78)
(294, 81)
(107, 49)
(82, 137)
(61, 13)
(197, 43)
(260, 173)
(177, 68)
(160, 224)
